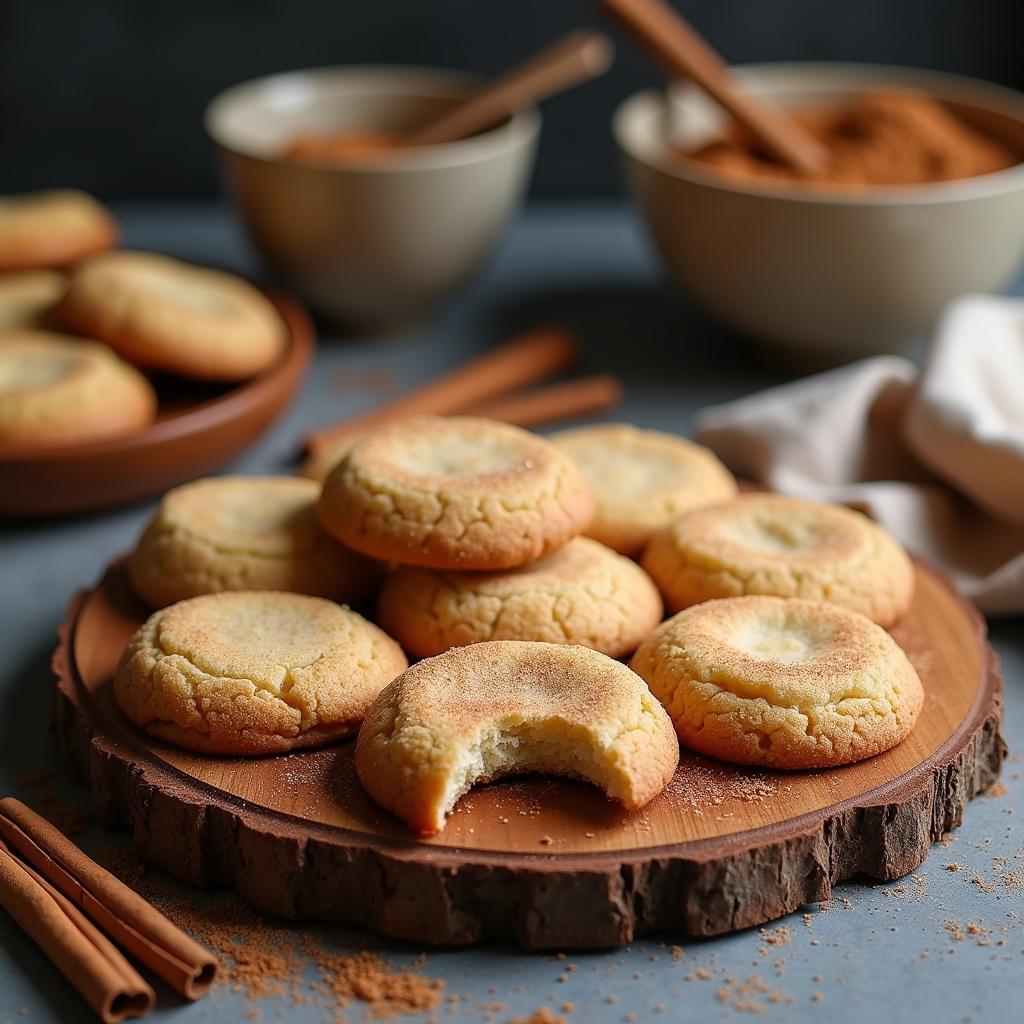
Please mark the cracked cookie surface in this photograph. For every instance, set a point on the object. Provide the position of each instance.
(787, 547)
(506, 707)
(455, 493)
(52, 228)
(583, 594)
(783, 683)
(168, 315)
(642, 479)
(56, 389)
(244, 533)
(254, 672)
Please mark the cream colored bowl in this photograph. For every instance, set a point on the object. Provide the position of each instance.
(833, 274)
(373, 245)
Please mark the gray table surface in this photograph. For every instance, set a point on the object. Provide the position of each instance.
(877, 952)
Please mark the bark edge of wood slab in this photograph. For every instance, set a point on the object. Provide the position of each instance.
(447, 892)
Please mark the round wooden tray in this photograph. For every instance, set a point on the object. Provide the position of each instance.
(543, 862)
(198, 428)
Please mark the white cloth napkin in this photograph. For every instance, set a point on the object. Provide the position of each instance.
(935, 455)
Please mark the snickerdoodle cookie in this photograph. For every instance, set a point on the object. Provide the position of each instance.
(168, 315)
(455, 493)
(26, 296)
(642, 479)
(582, 594)
(769, 544)
(779, 682)
(244, 533)
(55, 389)
(254, 672)
(510, 707)
(52, 229)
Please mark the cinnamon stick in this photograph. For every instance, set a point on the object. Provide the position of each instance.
(555, 402)
(107, 982)
(516, 364)
(525, 409)
(122, 914)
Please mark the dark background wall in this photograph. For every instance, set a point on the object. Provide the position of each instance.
(108, 94)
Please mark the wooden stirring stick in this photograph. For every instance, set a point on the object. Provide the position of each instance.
(682, 51)
(574, 59)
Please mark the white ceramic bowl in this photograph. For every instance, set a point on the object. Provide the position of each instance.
(373, 245)
(831, 273)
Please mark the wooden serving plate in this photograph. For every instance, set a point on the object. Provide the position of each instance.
(544, 862)
(198, 428)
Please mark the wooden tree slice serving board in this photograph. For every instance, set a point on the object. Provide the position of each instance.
(543, 862)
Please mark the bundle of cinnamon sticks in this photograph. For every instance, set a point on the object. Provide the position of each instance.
(491, 386)
(79, 914)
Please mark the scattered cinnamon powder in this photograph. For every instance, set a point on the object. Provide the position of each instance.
(265, 961)
(542, 1015)
(364, 976)
(702, 786)
(750, 995)
(67, 818)
(997, 789)
(776, 936)
(887, 138)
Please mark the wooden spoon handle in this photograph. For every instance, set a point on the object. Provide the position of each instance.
(573, 59)
(682, 51)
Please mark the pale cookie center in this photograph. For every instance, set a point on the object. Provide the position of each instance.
(788, 644)
(237, 638)
(261, 513)
(458, 457)
(183, 290)
(771, 536)
(631, 472)
(25, 369)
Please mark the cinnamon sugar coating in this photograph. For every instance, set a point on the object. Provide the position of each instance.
(788, 547)
(642, 479)
(455, 492)
(254, 672)
(56, 389)
(52, 228)
(582, 594)
(168, 315)
(508, 707)
(784, 683)
(244, 533)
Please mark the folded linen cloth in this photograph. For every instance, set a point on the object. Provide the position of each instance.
(936, 455)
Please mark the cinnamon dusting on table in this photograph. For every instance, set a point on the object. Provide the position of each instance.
(886, 138)
(68, 818)
(542, 1015)
(263, 961)
(750, 995)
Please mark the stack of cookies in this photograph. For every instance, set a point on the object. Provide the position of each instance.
(506, 562)
(81, 327)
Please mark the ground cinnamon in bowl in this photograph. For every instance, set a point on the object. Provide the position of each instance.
(884, 138)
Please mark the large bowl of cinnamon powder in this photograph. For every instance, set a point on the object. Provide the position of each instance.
(922, 201)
